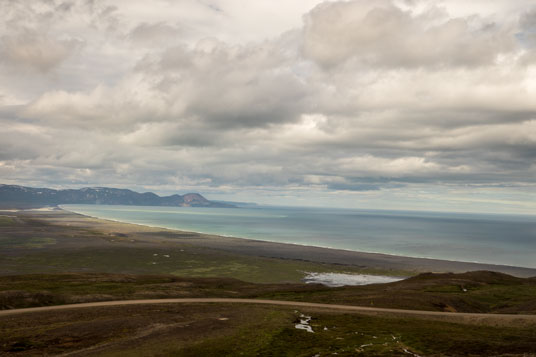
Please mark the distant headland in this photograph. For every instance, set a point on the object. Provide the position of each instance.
(20, 196)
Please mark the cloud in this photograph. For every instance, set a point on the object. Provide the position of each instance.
(156, 34)
(250, 86)
(362, 97)
(381, 34)
(32, 50)
(527, 35)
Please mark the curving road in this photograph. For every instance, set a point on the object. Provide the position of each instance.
(487, 319)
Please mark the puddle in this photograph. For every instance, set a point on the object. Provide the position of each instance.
(339, 279)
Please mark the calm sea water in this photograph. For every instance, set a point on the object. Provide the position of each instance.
(496, 239)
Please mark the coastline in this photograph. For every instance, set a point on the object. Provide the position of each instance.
(274, 242)
(484, 260)
(291, 251)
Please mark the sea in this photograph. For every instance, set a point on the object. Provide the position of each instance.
(482, 238)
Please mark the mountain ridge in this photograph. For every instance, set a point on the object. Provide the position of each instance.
(17, 196)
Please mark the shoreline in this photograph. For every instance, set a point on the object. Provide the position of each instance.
(226, 250)
(293, 243)
(335, 256)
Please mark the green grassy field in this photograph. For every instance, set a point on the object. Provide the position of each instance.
(471, 292)
(7, 221)
(350, 335)
(186, 261)
(250, 330)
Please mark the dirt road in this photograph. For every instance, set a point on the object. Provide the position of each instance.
(462, 317)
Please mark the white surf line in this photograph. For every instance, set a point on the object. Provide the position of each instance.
(475, 317)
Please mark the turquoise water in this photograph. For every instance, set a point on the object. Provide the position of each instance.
(496, 239)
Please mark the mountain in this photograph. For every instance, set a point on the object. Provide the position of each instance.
(20, 196)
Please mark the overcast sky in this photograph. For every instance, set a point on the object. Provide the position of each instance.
(403, 104)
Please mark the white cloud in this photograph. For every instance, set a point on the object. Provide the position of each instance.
(381, 34)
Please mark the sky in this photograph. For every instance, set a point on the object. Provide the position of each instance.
(384, 104)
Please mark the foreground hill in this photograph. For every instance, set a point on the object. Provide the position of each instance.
(472, 292)
(17, 196)
(240, 329)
